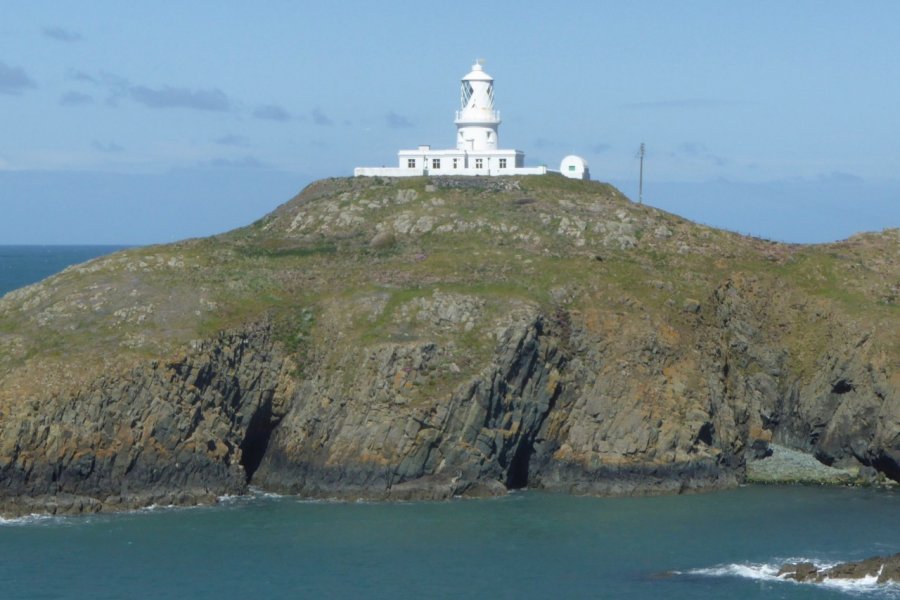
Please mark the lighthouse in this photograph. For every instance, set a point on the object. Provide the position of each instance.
(477, 149)
(476, 121)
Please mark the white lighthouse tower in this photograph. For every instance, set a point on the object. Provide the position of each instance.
(477, 121)
(477, 149)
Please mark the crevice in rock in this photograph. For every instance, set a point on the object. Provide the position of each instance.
(824, 457)
(517, 473)
(705, 434)
(842, 387)
(887, 465)
(256, 439)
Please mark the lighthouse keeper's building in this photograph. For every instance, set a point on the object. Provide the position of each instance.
(477, 149)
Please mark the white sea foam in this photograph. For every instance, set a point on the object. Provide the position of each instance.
(29, 519)
(253, 493)
(849, 585)
(865, 586)
(259, 493)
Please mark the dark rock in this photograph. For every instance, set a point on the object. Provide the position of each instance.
(804, 571)
(691, 305)
(887, 568)
(760, 449)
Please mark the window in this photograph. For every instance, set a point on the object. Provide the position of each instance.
(488, 135)
(411, 163)
(571, 167)
(478, 163)
(502, 163)
(455, 163)
(435, 163)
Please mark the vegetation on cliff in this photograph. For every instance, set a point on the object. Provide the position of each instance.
(429, 337)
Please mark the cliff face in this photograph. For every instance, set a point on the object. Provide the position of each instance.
(428, 338)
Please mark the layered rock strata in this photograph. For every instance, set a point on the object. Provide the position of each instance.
(425, 339)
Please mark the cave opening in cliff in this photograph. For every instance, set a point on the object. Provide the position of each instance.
(256, 440)
(888, 464)
(517, 472)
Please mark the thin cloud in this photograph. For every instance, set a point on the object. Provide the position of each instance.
(698, 152)
(692, 149)
(179, 97)
(82, 76)
(395, 121)
(107, 147)
(247, 162)
(118, 88)
(14, 80)
(841, 177)
(320, 118)
(689, 103)
(231, 139)
(76, 99)
(272, 112)
(600, 148)
(62, 35)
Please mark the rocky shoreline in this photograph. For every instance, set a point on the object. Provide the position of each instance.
(779, 465)
(419, 339)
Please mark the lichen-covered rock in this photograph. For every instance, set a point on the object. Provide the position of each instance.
(428, 338)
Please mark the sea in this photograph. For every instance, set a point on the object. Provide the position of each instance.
(527, 544)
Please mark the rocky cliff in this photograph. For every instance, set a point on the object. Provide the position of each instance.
(425, 338)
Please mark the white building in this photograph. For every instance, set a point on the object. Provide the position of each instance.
(574, 167)
(477, 149)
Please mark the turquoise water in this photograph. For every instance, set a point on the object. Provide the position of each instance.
(525, 545)
(22, 265)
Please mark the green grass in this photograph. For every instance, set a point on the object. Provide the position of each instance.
(255, 273)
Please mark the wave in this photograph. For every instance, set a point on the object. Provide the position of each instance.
(867, 586)
(261, 493)
(32, 519)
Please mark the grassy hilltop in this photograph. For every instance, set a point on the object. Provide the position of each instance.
(338, 346)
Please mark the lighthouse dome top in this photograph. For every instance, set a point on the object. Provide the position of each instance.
(477, 73)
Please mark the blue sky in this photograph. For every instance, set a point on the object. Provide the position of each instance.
(139, 122)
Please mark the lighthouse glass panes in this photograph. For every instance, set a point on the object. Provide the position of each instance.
(465, 93)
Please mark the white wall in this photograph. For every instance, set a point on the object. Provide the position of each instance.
(397, 172)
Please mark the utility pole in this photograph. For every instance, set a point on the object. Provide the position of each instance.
(641, 180)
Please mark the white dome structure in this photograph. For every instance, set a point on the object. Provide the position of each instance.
(574, 167)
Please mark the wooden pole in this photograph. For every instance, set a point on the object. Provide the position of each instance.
(641, 180)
